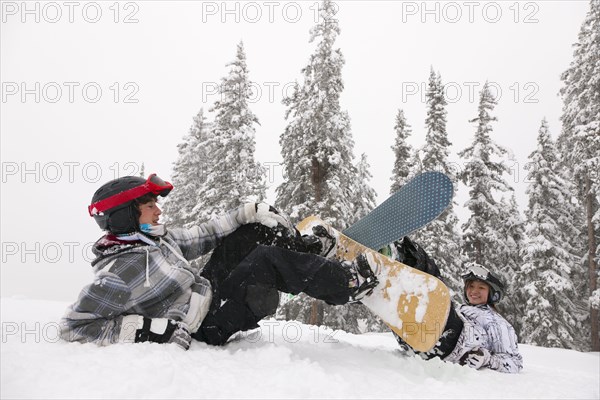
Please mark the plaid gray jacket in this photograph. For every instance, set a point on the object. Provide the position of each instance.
(136, 278)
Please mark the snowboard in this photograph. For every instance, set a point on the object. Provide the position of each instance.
(412, 303)
(414, 205)
(415, 305)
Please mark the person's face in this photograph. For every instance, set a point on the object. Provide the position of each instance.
(477, 292)
(149, 213)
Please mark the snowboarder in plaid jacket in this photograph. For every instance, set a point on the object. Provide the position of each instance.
(146, 289)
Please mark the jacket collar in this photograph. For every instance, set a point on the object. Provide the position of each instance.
(110, 244)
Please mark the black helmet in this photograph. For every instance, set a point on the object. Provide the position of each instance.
(113, 205)
(477, 272)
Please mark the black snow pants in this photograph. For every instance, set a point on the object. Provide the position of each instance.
(249, 268)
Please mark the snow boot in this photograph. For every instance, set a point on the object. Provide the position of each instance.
(364, 278)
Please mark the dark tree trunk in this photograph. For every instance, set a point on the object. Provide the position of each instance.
(593, 274)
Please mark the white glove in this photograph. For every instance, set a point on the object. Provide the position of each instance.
(270, 217)
(261, 213)
(477, 358)
(199, 303)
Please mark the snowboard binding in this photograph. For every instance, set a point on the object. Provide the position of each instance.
(328, 242)
(364, 276)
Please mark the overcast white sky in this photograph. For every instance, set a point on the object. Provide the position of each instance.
(90, 90)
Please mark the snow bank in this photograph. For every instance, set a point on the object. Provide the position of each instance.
(281, 360)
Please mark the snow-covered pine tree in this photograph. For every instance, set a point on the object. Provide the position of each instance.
(512, 228)
(416, 162)
(580, 144)
(365, 196)
(435, 151)
(317, 145)
(439, 238)
(235, 177)
(402, 153)
(550, 313)
(320, 177)
(483, 239)
(184, 207)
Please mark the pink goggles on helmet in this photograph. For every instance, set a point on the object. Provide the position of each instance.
(152, 185)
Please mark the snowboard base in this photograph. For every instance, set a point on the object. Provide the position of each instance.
(415, 305)
(418, 202)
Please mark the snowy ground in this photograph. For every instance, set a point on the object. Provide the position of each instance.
(282, 360)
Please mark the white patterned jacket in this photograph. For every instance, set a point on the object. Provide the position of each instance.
(485, 328)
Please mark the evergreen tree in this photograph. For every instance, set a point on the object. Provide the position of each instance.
(365, 196)
(512, 228)
(439, 238)
(317, 145)
(549, 318)
(416, 162)
(317, 149)
(435, 152)
(235, 177)
(402, 153)
(185, 206)
(483, 241)
(580, 144)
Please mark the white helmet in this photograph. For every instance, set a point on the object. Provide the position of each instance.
(475, 271)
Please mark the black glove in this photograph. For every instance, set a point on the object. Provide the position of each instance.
(162, 330)
(476, 358)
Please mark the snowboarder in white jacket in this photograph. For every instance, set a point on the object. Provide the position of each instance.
(475, 334)
(146, 288)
